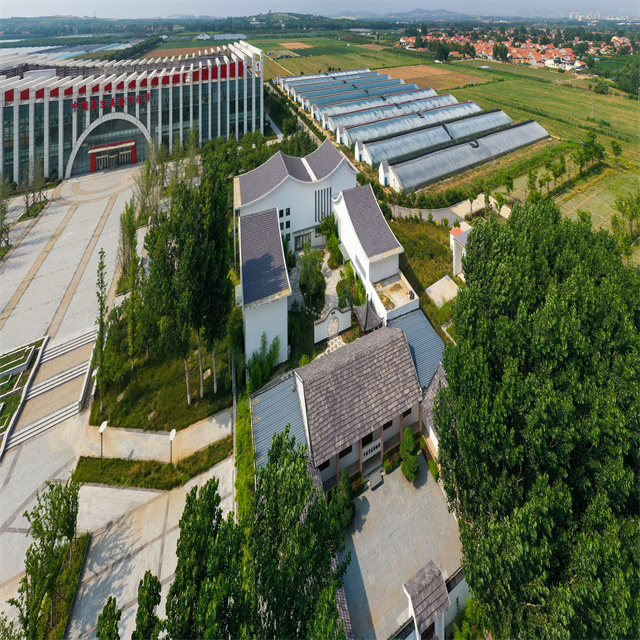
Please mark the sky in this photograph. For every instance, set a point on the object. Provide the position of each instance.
(216, 8)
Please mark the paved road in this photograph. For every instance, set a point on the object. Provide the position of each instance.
(49, 276)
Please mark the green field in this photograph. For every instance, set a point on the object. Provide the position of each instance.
(550, 75)
(563, 111)
(325, 53)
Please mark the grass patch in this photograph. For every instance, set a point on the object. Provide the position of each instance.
(245, 461)
(66, 588)
(155, 396)
(151, 474)
(4, 249)
(33, 211)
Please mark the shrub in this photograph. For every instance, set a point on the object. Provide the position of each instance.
(386, 210)
(304, 360)
(388, 467)
(445, 222)
(328, 227)
(435, 471)
(409, 458)
(342, 501)
(263, 361)
(335, 257)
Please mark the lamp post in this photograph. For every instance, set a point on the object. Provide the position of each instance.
(172, 435)
(103, 426)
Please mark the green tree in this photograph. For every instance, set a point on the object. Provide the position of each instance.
(508, 183)
(472, 194)
(108, 620)
(532, 180)
(616, 149)
(539, 427)
(409, 463)
(342, 501)
(99, 362)
(191, 165)
(4, 210)
(148, 625)
(199, 526)
(312, 282)
(132, 304)
(625, 223)
(128, 230)
(8, 630)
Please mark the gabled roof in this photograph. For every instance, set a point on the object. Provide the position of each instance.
(263, 269)
(372, 229)
(263, 179)
(428, 594)
(356, 389)
(367, 316)
(462, 238)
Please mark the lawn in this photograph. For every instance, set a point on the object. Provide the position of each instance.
(519, 70)
(564, 111)
(151, 474)
(153, 396)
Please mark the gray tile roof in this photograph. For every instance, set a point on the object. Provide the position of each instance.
(295, 168)
(439, 380)
(428, 595)
(425, 344)
(324, 159)
(462, 238)
(372, 229)
(264, 272)
(367, 316)
(271, 411)
(353, 391)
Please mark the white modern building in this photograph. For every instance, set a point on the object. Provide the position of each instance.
(300, 189)
(265, 282)
(458, 243)
(81, 116)
(374, 252)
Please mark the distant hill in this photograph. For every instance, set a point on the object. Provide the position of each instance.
(415, 15)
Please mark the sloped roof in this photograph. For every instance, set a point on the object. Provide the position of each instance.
(263, 179)
(372, 229)
(356, 389)
(367, 316)
(438, 381)
(428, 594)
(324, 159)
(264, 272)
(461, 239)
(425, 344)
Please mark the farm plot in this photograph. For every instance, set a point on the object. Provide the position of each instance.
(436, 76)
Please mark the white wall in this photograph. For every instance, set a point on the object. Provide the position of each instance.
(385, 268)
(269, 318)
(461, 595)
(299, 197)
(321, 327)
(457, 258)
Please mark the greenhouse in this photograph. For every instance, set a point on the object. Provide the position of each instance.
(388, 88)
(399, 124)
(334, 93)
(309, 91)
(302, 87)
(290, 82)
(402, 146)
(322, 114)
(414, 174)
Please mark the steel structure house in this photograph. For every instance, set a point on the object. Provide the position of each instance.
(356, 83)
(323, 113)
(396, 147)
(416, 173)
(338, 122)
(403, 124)
(80, 116)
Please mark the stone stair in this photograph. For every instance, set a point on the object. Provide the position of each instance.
(40, 426)
(57, 380)
(59, 350)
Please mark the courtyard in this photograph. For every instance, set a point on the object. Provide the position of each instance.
(398, 528)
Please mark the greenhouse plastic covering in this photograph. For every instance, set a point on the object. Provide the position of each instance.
(358, 83)
(466, 127)
(373, 116)
(298, 87)
(334, 95)
(335, 110)
(442, 163)
(289, 81)
(396, 147)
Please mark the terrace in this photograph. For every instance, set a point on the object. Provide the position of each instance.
(395, 292)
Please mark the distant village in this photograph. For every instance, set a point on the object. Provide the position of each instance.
(510, 48)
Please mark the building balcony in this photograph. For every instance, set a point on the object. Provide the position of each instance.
(396, 295)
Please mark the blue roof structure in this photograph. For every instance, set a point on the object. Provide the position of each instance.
(425, 344)
(271, 411)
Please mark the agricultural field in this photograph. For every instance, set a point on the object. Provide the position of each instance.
(564, 111)
(439, 77)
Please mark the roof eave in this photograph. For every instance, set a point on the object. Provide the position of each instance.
(267, 299)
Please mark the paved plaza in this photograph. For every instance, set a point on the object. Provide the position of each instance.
(49, 275)
(399, 527)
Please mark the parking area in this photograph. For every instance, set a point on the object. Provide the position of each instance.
(398, 528)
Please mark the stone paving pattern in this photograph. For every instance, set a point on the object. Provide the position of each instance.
(398, 528)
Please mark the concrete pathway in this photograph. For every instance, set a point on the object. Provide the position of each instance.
(332, 277)
(49, 275)
(121, 552)
(455, 212)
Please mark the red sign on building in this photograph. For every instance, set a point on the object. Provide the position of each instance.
(111, 103)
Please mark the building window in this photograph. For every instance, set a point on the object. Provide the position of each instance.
(288, 212)
(281, 212)
(346, 452)
(386, 425)
(367, 440)
(407, 413)
(281, 226)
(324, 465)
(288, 224)
(288, 237)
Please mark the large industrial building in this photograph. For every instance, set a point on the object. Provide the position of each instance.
(81, 116)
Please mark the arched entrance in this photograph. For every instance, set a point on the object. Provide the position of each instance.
(110, 135)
